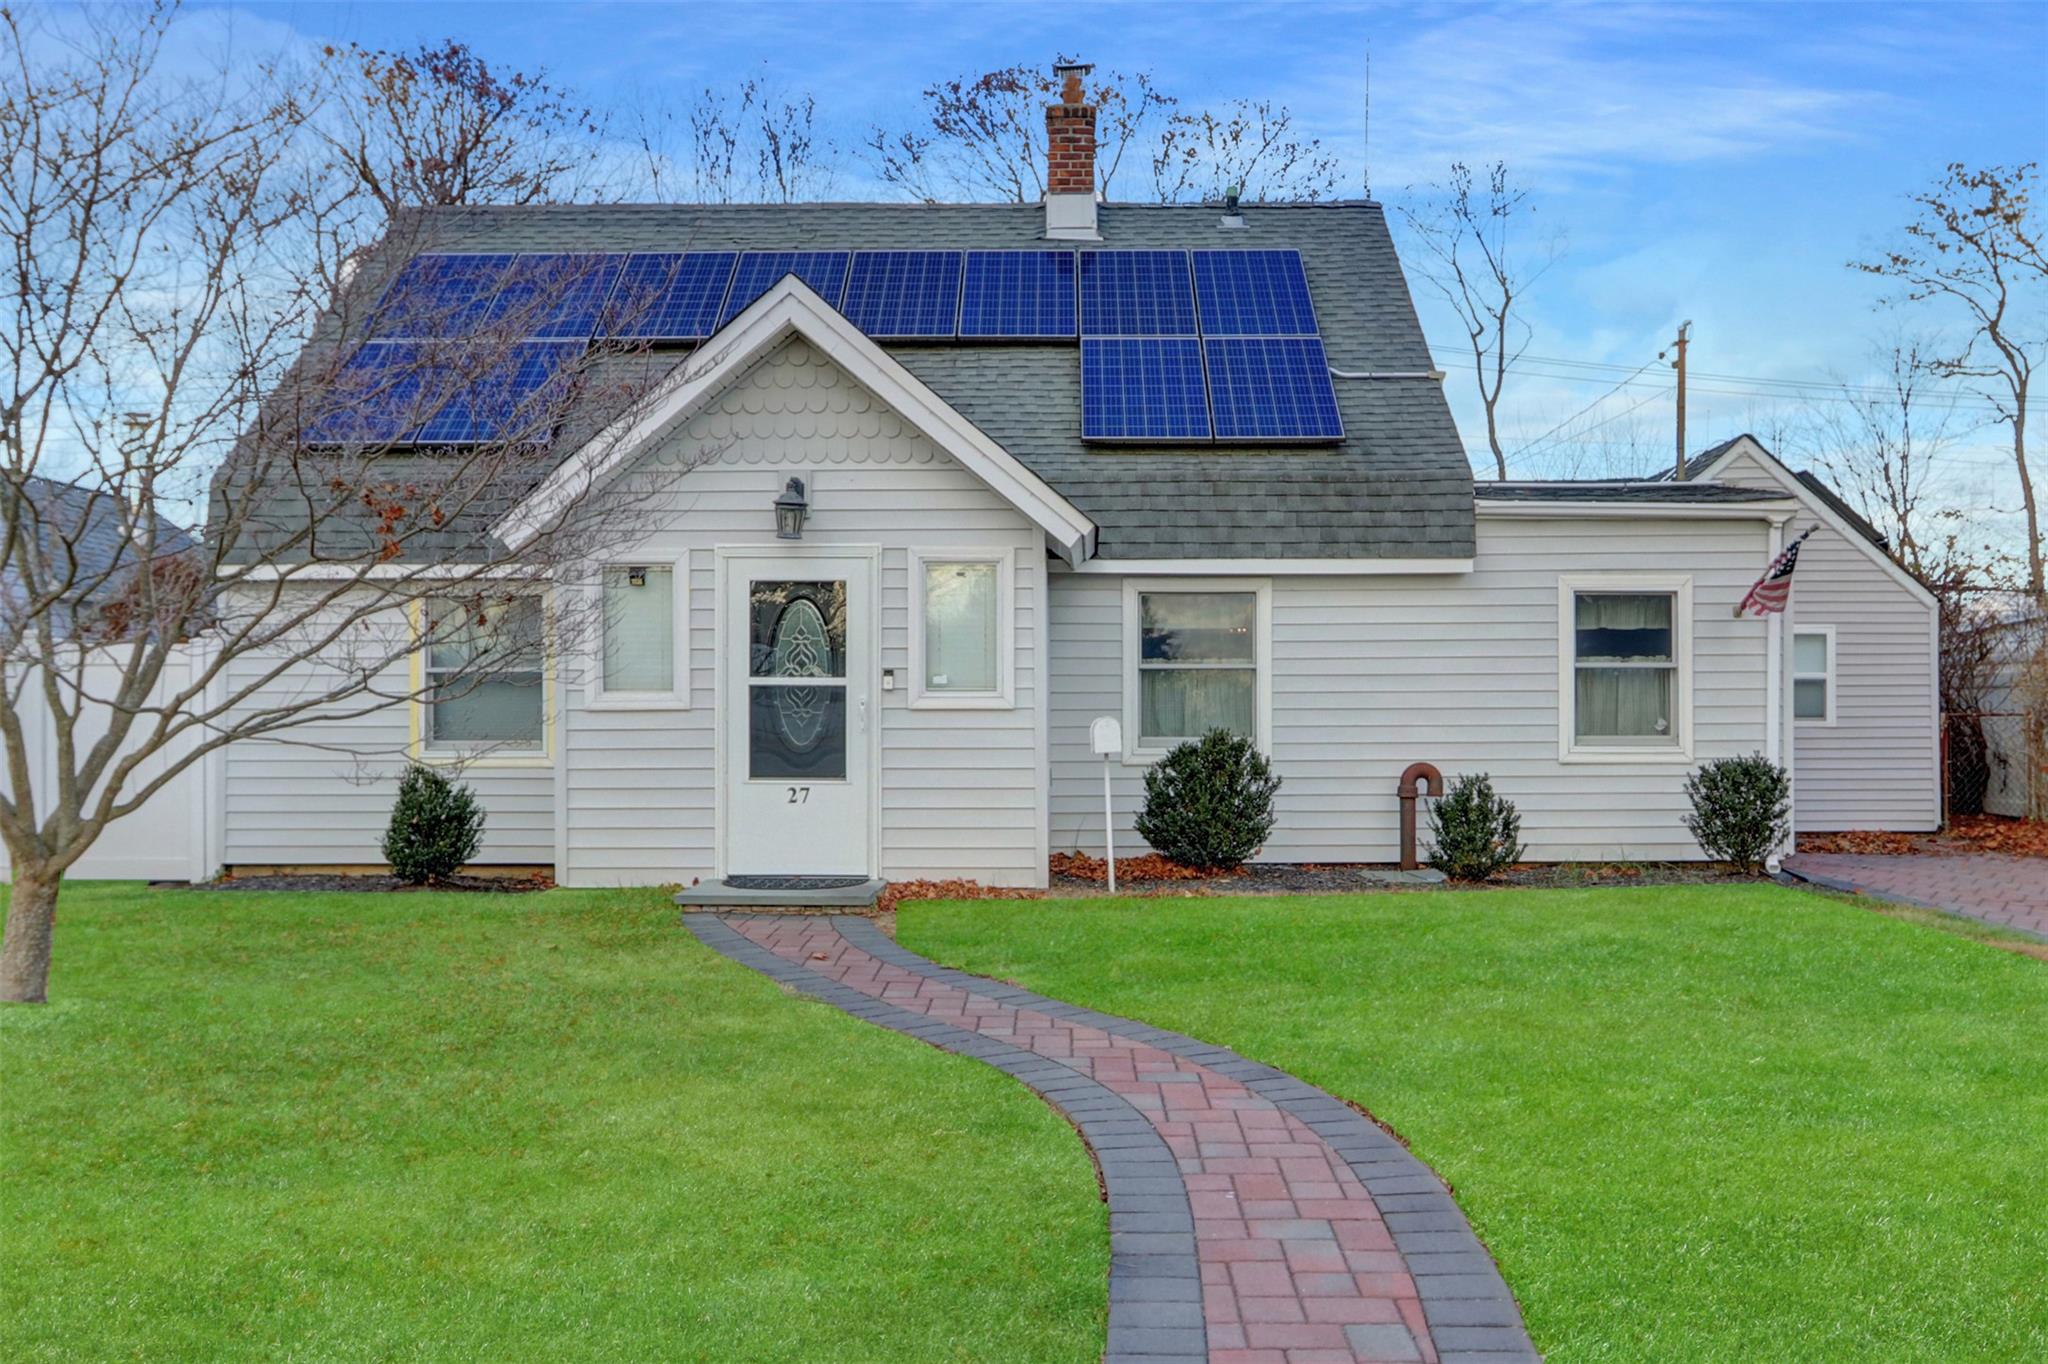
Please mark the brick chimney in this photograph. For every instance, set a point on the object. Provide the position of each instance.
(1070, 159)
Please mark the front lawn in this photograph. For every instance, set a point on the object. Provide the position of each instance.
(534, 1127)
(1694, 1124)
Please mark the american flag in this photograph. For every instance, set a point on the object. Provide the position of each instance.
(1774, 589)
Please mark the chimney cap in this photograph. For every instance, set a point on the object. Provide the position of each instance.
(1069, 74)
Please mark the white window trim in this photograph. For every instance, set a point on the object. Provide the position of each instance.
(1137, 752)
(595, 697)
(1004, 697)
(1569, 749)
(1827, 677)
(476, 756)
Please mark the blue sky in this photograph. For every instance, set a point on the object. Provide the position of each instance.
(1712, 162)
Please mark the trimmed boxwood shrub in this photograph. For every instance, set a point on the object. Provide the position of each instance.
(1738, 809)
(436, 825)
(1209, 803)
(1473, 832)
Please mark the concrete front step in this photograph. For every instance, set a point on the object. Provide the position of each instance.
(781, 892)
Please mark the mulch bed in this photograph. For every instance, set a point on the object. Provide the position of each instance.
(379, 884)
(1965, 834)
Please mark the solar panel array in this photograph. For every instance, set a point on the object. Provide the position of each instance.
(1175, 345)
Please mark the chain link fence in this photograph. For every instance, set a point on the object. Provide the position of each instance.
(1995, 762)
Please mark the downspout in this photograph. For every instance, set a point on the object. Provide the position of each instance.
(1427, 774)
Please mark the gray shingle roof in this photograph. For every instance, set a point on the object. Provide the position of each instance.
(1647, 491)
(1398, 485)
(84, 544)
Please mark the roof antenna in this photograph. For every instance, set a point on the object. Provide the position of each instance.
(1368, 118)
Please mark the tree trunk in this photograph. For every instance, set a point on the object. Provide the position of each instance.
(2035, 586)
(25, 954)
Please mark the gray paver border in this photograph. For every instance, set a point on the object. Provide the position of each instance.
(1155, 1285)
(1461, 1288)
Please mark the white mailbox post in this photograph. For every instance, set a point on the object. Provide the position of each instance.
(1106, 737)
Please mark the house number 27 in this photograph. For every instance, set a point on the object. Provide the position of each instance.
(799, 795)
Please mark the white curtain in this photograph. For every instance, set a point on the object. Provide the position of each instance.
(962, 620)
(1624, 703)
(639, 631)
(1186, 703)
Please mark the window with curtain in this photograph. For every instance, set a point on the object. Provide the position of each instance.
(963, 627)
(1197, 665)
(1625, 664)
(483, 675)
(1812, 675)
(639, 630)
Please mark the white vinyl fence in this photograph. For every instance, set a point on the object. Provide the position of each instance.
(172, 837)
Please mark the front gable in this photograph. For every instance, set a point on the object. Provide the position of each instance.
(790, 312)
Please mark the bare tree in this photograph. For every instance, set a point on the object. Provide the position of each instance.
(1472, 256)
(438, 126)
(983, 137)
(1250, 147)
(1977, 245)
(173, 246)
(1885, 449)
(747, 144)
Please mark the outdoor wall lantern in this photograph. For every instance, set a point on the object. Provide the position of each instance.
(636, 576)
(790, 508)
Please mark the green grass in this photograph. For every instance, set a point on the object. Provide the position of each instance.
(1697, 1124)
(547, 1127)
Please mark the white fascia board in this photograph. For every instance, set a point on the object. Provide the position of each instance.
(792, 308)
(332, 573)
(1229, 568)
(1773, 510)
(1821, 512)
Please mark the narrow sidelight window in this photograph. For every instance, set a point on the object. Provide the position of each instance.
(1813, 675)
(640, 630)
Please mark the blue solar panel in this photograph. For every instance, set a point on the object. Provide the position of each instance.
(553, 297)
(1253, 293)
(1147, 388)
(439, 296)
(904, 293)
(824, 271)
(379, 396)
(518, 397)
(669, 295)
(1272, 389)
(1018, 295)
(1136, 293)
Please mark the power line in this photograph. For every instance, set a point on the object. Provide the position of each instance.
(1804, 389)
(1582, 433)
(1525, 448)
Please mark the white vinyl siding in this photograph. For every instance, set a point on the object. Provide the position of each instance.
(1877, 764)
(960, 788)
(1370, 674)
(321, 794)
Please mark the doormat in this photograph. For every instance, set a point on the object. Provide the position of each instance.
(795, 882)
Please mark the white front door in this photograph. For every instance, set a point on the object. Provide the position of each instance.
(798, 653)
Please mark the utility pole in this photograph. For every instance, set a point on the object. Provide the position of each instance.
(1684, 339)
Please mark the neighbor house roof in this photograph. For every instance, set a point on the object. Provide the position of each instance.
(1397, 486)
(84, 539)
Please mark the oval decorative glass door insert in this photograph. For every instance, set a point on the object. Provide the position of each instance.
(797, 696)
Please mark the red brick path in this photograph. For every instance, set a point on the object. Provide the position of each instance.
(2011, 892)
(1297, 1264)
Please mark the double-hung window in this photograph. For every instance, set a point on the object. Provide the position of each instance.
(482, 677)
(1624, 651)
(1196, 661)
(1813, 675)
(962, 629)
(641, 660)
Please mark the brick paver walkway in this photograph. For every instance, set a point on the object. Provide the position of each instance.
(2011, 892)
(1253, 1219)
